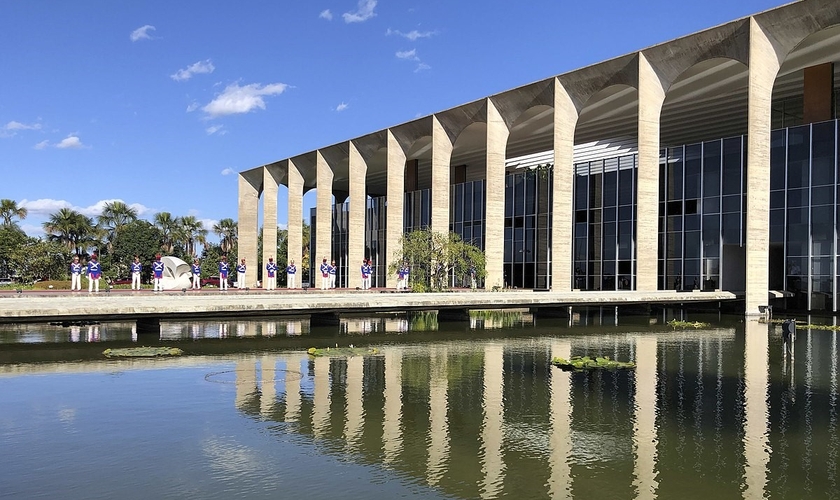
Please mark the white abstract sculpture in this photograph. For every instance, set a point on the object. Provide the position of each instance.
(176, 273)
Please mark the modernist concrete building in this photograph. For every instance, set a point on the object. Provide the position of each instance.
(710, 161)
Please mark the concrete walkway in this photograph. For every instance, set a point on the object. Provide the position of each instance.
(40, 306)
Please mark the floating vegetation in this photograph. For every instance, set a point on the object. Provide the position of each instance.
(343, 351)
(580, 363)
(803, 326)
(142, 352)
(687, 324)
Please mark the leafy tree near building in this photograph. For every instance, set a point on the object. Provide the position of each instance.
(227, 230)
(434, 257)
(38, 259)
(135, 238)
(11, 238)
(71, 229)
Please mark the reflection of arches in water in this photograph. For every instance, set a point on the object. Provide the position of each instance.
(230, 376)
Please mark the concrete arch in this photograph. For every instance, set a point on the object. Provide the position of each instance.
(532, 131)
(608, 114)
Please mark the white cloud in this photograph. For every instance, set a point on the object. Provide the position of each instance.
(216, 128)
(408, 54)
(208, 223)
(193, 106)
(32, 230)
(412, 35)
(48, 206)
(13, 125)
(422, 67)
(363, 12)
(235, 99)
(193, 69)
(70, 142)
(341, 107)
(326, 14)
(42, 145)
(228, 171)
(142, 33)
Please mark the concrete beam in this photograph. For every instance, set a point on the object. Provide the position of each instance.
(494, 198)
(250, 186)
(271, 181)
(441, 157)
(565, 121)
(356, 218)
(323, 210)
(396, 204)
(294, 233)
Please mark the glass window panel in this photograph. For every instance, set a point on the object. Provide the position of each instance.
(798, 197)
(732, 229)
(595, 193)
(797, 239)
(711, 168)
(692, 245)
(610, 214)
(581, 192)
(468, 201)
(822, 195)
(673, 246)
(530, 193)
(796, 266)
(509, 195)
(675, 174)
(625, 187)
(625, 240)
(625, 213)
(711, 205)
(821, 266)
(798, 156)
(610, 188)
(732, 165)
(711, 266)
(732, 203)
(777, 199)
(777, 159)
(692, 222)
(822, 154)
(459, 202)
(693, 165)
(797, 215)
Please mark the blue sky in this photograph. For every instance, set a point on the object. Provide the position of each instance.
(160, 103)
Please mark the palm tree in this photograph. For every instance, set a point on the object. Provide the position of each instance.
(115, 215)
(226, 229)
(71, 229)
(193, 232)
(9, 210)
(168, 229)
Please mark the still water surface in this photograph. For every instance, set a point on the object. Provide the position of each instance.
(441, 411)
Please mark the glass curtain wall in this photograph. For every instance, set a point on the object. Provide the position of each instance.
(467, 216)
(527, 227)
(605, 223)
(417, 212)
(375, 224)
(701, 213)
(803, 215)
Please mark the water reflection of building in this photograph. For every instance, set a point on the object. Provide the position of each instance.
(473, 421)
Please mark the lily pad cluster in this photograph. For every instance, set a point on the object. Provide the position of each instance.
(581, 363)
(342, 351)
(142, 352)
(687, 324)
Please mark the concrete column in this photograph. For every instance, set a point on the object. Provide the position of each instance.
(295, 222)
(559, 483)
(565, 120)
(651, 97)
(438, 417)
(492, 430)
(293, 378)
(355, 399)
(321, 398)
(756, 422)
(356, 217)
(763, 68)
(494, 197)
(441, 158)
(270, 183)
(323, 212)
(645, 438)
(392, 421)
(246, 381)
(249, 203)
(268, 391)
(396, 204)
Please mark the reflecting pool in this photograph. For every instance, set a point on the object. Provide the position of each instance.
(471, 409)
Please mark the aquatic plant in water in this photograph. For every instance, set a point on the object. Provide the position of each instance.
(142, 352)
(580, 363)
(342, 351)
(687, 324)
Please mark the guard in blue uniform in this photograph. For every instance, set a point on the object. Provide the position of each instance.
(136, 269)
(333, 271)
(224, 269)
(76, 274)
(157, 270)
(196, 275)
(291, 275)
(271, 274)
(240, 274)
(365, 274)
(94, 272)
(325, 274)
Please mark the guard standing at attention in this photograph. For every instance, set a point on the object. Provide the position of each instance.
(325, 274)
(333, 270)
(271, 271)
(366, 274)
(76, 274)
(136, 269)
(94, 271)
(224, 269)
(196, 275)
(240, 274)
(157, 271)
(291, 271)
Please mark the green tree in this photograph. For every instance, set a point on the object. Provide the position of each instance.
(192, 233)
(226, 229)
(41, 259)
(136, 238)
(9, 210)
(71, 229)
(11, 238)
(168, 227)
(434, 257)
(115, 215)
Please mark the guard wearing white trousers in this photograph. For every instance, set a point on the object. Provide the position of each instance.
(94, 271)
(271, 274)
(240, 275)
(325, 274)
(136, 269)
(366, 274)
(196, 275)
(291, 274)
(333, 271)
(157, 271)
(76, 274)
(224, 269)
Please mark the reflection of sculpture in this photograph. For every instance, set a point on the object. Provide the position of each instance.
(176, 274)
